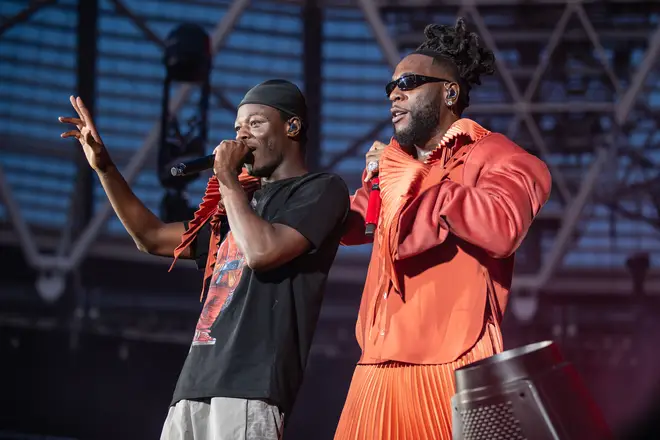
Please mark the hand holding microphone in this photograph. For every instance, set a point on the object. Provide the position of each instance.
(222, 159)
(373, 206)
(230, 158)
(373, 156)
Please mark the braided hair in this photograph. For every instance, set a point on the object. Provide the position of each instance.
(461, 52)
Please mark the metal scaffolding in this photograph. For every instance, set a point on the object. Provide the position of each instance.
(579, 92)
(575, 193)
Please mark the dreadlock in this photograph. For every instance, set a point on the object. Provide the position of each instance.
(461, 52)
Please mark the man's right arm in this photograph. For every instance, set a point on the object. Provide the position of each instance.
(150, 234)
(148, 231)
(354, 226)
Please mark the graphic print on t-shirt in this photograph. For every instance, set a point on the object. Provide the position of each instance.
(226, 276)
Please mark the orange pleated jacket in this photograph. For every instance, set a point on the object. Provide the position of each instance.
(445, 243)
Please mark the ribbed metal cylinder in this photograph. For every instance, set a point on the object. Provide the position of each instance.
(526, 393)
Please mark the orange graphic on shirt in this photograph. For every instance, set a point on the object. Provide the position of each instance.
(226, 276)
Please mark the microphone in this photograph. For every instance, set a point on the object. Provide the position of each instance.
(373, 208)
(193, 166)
(200, 164)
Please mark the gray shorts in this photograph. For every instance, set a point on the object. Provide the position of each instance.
(223, 418)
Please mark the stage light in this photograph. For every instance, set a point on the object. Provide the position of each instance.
(187, 59)
(50, 286)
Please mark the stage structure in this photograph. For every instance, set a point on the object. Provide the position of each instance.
(188, 61)
(577, 84)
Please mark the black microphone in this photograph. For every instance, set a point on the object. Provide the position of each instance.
(200, 164)
(193, 166)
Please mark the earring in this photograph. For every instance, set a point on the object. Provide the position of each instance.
(451, 94)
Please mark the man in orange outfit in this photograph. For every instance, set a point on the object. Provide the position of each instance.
(457, 200)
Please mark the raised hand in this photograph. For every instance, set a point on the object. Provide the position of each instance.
(87, 135)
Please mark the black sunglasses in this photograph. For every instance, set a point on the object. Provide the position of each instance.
(411, 81)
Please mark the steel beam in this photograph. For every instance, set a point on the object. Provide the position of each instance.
(600, 50)
(559, 181)
(90, 233)
(523, 105)
(570, 219)
(627, 101)
(569, 225)
(501, 66)
(25, 238)
(24, 15)
(538, 36)
(313, 77)
(509, 108)
(387, 45)
(555, 38)
(82, 204)
(353, 147)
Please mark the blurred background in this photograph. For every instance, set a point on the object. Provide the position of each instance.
(93, 333)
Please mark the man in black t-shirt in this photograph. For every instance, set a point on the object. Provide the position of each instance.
(267, 255)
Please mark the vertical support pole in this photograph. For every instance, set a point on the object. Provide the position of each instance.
(83, 197)
(312, 68)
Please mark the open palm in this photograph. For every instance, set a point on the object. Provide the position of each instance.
(87, 135)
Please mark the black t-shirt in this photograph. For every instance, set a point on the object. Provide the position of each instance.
(255, 330)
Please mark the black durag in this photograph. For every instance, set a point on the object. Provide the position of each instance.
(279, 94)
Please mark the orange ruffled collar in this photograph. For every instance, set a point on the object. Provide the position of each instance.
(211, 210)
(401, 176)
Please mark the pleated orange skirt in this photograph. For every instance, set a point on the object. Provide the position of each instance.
(397, 401)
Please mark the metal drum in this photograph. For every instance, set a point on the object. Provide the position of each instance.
(527, 393)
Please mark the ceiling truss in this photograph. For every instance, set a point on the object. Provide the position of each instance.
(580, 162)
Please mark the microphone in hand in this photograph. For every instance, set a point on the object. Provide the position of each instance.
(194, 166)
(373, 206)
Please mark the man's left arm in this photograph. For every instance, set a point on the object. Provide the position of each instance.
(309, 216)
(494, 215)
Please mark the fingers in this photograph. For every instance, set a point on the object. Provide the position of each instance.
(73, 133)
(377, 145)
(81, 106)
(87, 117)
(229, 144)
(373, 155)
(220, 146)
(74, 104)
(75, 121)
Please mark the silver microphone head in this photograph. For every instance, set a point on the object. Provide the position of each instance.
(177, 170)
